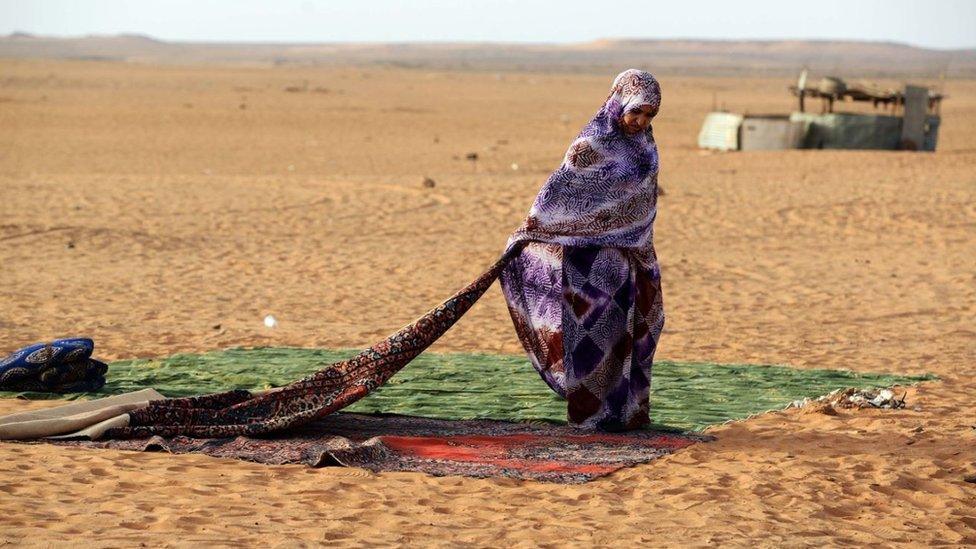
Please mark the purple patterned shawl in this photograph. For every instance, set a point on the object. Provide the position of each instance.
(603, 195)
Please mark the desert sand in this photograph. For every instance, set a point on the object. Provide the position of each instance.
(164, 209)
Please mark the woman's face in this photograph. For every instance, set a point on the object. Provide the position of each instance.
(637, 120)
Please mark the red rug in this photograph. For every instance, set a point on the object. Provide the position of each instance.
(474, 448)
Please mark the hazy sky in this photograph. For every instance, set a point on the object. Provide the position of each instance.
(931, 23)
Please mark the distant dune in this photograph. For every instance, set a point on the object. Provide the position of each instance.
(691, 57)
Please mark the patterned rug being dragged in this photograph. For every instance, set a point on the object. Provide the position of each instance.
(473, 448)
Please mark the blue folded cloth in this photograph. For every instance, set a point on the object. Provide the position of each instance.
(61, 366)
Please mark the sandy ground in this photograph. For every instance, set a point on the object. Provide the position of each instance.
(169, 209)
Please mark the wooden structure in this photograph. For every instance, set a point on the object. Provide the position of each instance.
(831, 89)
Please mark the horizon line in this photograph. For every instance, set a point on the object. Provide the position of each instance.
(21, 33)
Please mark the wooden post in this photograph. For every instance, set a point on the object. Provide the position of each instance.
(801, 85)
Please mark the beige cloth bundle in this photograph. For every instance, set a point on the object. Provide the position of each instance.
(83, 419)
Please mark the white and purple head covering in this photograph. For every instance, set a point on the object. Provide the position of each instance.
(604, 193)
(631, 90)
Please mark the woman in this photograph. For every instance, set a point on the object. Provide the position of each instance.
(580, 277)
(584, 293)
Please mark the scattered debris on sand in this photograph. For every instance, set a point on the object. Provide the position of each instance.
(851, 398)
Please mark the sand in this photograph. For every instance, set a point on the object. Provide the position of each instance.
(168, 209)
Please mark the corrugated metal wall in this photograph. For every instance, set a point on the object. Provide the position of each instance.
(720, 131)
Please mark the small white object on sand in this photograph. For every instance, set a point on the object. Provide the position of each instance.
(270, 321)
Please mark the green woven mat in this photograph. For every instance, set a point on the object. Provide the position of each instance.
(465, 386)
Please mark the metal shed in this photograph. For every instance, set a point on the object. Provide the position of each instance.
(915, 128)
(861, 131)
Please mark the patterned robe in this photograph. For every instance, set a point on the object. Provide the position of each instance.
(580, 277)
(584, 293)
